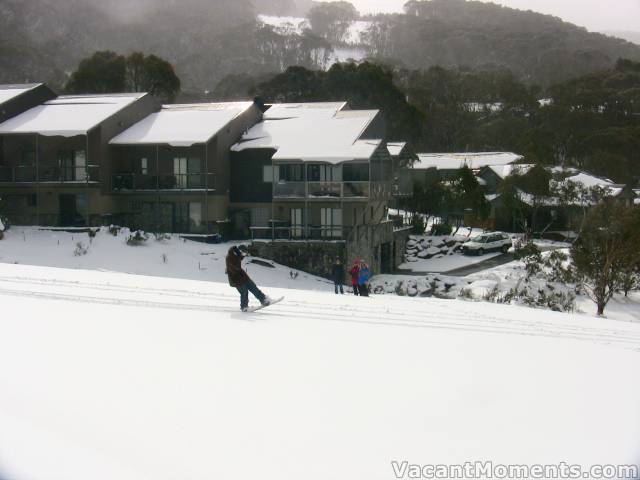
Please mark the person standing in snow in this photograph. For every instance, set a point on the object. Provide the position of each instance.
(337, 274)
(239, 279)
(354, 275)
(363, 279)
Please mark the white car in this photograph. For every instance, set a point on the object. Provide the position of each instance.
(488, 242)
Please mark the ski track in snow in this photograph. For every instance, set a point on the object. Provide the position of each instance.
(440, 317)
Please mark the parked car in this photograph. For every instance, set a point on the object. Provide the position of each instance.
(488, 242)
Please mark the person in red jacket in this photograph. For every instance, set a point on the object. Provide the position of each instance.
(355, 274)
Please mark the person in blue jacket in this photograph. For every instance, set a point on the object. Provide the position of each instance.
(364, 275)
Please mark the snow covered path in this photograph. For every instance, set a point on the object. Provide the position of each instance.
(388, 311)
(106, 375)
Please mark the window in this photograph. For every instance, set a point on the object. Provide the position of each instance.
(260, 217)
(267, 173)
(324, 173)
(331, 222)
(297, 227)
(356, 172)
(291, 173)
(144, 166)
(32, 200)
(80, 165)
(180, 171)
(73, 165)
(195, 215)
(187, 172)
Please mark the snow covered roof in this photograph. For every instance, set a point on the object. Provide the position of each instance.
(312, 132)
(395, 148)
(70, 115)
(503, 171)
(474, 160)
(9, 92)
(587, 180)
(281, 111)
(182, 125)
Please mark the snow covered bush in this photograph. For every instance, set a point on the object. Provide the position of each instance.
(531, 255)
(441, 229)
(137, 238)
(558, 267)
(608, 244)
(162, 237)
(80, 249)
(114, 230)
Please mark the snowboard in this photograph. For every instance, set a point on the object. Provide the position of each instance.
(260, 307)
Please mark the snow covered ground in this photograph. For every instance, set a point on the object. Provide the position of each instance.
(184, 259)
(116, 376)
(440, 253)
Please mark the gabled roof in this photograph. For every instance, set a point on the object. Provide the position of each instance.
(395, 148)
(9, 92)
(312, 132)
(69, 115)
(454, 161)
(182, 125)
(587, 180)
(503, 171)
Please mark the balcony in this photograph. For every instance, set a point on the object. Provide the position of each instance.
(322, 190)
(29, 174)
(135, 182)
(300, 232)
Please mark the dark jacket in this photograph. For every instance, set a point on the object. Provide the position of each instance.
(337, 273)
(237, 276)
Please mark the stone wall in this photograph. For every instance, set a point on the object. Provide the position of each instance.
(313, 257)
(400, 238)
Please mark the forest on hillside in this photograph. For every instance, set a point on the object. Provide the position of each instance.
(591, 122)
(206, 41)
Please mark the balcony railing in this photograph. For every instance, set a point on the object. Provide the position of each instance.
(131, 182)
(300, 232)
(44, 173)
(284, 189)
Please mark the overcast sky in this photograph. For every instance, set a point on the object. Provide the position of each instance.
(596, 15)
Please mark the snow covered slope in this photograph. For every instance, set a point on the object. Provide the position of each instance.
(116, 376)
(172, 257)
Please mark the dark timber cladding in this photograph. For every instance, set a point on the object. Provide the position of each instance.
(55, 167)
(21, 98)
(247, 176)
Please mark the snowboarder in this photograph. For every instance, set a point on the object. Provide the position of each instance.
(337, 274)
(363, 279)
(239, 279)
(354, 272)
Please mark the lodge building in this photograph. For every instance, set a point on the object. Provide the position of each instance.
(282, 173)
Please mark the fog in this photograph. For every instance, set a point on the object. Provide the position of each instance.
(595, 15)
